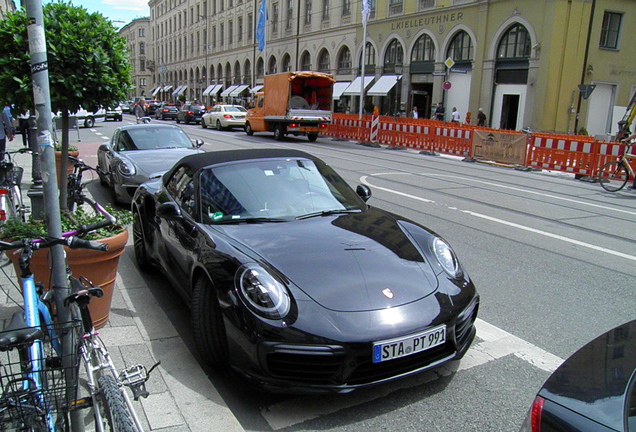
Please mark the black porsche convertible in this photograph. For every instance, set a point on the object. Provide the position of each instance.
(293, 280)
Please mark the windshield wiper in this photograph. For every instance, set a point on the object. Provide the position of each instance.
(327, 213)
(249, 220)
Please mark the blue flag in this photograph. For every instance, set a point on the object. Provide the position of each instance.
(260, 26)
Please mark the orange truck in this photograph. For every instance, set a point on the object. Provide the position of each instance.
(296, 103)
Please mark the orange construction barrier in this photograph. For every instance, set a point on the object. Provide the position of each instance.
(567, 153)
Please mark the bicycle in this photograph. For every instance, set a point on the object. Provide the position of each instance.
(40, 376)
(614, 175)
(11, 203)
(75, 188)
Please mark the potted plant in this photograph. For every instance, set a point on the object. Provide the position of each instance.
(72, 151)
(98, 267)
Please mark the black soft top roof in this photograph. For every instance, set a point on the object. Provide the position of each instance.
(200, 160)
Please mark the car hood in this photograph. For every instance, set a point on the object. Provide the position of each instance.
(149, 162)
(594, 381)
(345, 263)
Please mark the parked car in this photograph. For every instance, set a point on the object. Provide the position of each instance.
(167, 111)
(224, 117)
(151, 106)
(293, 280)
(594, 390)
(136, 153)
(126, 106)
(190, 113)
(115, 114)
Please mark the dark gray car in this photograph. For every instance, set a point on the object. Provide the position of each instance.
(191, 113)
(137, 153)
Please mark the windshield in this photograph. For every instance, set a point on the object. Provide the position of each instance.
(273, 189)
(235, 109)
(150, 138)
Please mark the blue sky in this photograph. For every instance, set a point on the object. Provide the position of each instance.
(117, 10)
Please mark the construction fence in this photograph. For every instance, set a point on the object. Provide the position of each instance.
(577, 154)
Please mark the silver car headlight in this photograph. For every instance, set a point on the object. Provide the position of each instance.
(126, 169)
(261, 292)
(447, 258)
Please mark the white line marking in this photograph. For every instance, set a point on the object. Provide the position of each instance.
(496, 344)
(364, 180)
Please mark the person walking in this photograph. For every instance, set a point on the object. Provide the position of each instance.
(140, 110)
(481, 117)
(6, 131)
(456, 117)
(23, 126)
(439, 112)
(415, 114)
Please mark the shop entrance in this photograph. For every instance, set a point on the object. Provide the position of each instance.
(421, 98)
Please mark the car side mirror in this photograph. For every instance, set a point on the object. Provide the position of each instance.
(363, 192)
(169, 211)
(199, 142)
(104, 147)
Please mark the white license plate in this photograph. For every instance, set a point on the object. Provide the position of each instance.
(402, 347)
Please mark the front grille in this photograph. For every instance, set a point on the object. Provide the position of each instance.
(305, 364)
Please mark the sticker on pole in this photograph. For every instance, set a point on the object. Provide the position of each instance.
(447, 85)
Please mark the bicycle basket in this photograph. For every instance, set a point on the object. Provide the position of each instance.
(22, 403)
(17, 175)
(6, 173)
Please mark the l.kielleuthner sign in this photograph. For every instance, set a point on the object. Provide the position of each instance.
(427, 21)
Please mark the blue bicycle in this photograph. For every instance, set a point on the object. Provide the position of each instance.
(39, 373)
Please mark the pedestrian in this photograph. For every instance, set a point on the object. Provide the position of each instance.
(23, 126)
(439, 112)
(415, 114)
(140, 110)
(5, 132)
(455, 116)
(481, 118)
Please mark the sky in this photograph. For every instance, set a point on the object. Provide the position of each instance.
(116, 10)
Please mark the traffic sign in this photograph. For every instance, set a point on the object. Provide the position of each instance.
(586, 90)
(449, 62)
(447, 85)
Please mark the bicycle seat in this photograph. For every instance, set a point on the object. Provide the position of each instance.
(17, 333)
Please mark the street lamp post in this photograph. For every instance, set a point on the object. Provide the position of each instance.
(398, 71)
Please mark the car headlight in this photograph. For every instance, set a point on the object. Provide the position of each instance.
(447, 258)
(126, 169)
(261, 292)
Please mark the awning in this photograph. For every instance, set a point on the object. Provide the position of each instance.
(166, 88)
(228, 90)
(256, 89)
(354, 88)
(383, 86)
(155, 91)
(340, 87)
(237, 91)
(181, 90)
(176, 91)
(208, 89)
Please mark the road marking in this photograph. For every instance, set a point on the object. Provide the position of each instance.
(364, 180)
(495, 344)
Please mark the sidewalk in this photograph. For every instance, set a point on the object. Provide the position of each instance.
(141, 329)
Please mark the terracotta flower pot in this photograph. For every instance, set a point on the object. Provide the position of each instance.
(58, 163)
(98, 267)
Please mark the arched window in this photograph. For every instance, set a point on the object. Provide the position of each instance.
(423, 50)
(515, 43)
(305, 61)
(237, 73)
(286, 63)
(272, 68)
(461, 47)
(219, 74)
(323, 61)
(344, 61)
(369, 64)
(247, 71)
(228, 75)
(394, 55)
(260, 68)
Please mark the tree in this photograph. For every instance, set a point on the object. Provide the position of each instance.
(87, 61)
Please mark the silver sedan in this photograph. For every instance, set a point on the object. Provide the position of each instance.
(137, 153)
(224, 117)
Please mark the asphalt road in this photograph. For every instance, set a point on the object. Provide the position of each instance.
(553, 258)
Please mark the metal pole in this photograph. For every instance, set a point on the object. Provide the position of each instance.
(36, 191)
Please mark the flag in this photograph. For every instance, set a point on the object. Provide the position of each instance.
(260, 25)
(366, 10)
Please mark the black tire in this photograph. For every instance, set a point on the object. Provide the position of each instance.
(203, 125)
(613, 176)
(178, 121)
(208, 325)
(248, 129)
(139, 243)
(218, 125)
(278, 132)
(312, 137)
(89, 122)
(111, 406)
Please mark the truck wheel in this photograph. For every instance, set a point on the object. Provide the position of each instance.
(278, 133)
(89, 122)
(248, 129)
(312, 137)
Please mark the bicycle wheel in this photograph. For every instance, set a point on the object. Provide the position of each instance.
(111, 405)
(613, 176)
